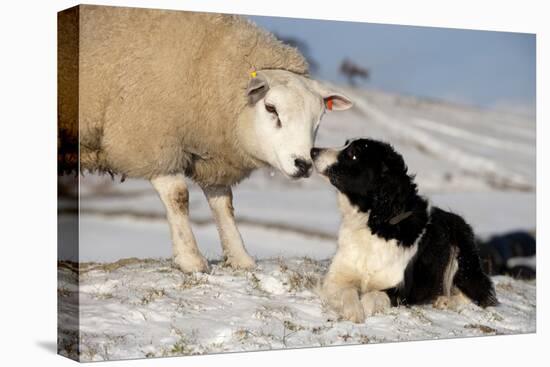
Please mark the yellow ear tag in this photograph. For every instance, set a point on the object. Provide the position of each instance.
(253, 74)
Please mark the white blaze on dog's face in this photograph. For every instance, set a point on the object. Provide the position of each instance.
(323, 158)
(287, 110)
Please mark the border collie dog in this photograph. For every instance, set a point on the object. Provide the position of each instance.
(392, 247)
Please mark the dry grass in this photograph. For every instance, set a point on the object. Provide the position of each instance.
(299, 282)
(193, 280)
(483, 328)
(151, 295)
(63, 292)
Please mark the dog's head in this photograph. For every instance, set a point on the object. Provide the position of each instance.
(362, 167)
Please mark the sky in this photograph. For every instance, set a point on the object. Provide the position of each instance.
(481, 68)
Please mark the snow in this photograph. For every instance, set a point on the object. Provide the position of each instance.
(146, 308)
(128, 237)
(477, 163)
(299, 222)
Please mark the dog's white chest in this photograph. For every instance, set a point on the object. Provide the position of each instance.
(378, 264)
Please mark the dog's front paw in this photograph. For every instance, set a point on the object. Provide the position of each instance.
(454, 302)
(374, 302)
(351, 308)
(442, 302)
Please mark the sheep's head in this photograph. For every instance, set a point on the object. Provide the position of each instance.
(286, 111)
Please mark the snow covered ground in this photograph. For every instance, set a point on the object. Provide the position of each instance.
(478, 163)
(147, 308)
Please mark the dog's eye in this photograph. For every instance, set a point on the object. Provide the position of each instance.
(271, 109)
(352, 154)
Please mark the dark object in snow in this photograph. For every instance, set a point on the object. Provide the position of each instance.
(511, 254)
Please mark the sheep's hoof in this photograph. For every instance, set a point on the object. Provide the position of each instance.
(192, 264)
(245, 262)
(374, 302)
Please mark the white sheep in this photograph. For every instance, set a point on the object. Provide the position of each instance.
(164, 95)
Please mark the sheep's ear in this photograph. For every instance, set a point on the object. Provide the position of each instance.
(333, 100)
(337, 102)
(257, 88)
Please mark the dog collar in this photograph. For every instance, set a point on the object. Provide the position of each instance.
(400, 217)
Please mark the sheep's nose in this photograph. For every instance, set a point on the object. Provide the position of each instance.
(304, 167)
(314, 153)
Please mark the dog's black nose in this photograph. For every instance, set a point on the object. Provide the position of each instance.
(304, 167)
(314, 152)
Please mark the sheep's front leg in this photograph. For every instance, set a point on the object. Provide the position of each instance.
(220, 199)
(175, 196)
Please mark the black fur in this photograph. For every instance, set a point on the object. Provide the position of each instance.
(374, 178)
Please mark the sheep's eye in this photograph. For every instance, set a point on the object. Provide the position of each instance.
(271, 109)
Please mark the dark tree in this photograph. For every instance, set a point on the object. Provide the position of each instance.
(352, 71)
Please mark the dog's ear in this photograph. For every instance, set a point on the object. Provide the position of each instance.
(394, 163)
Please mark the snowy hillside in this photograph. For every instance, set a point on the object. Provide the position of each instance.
(147, 308)
(480, 164)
